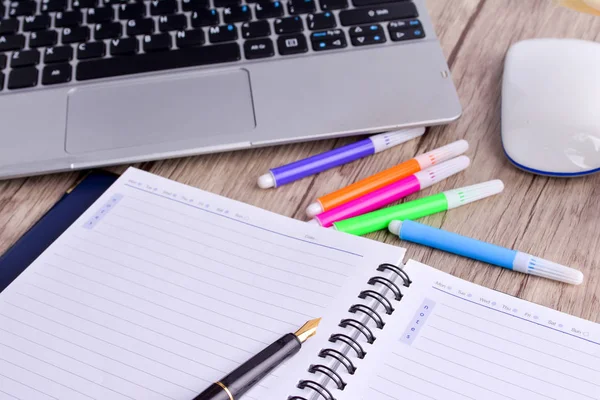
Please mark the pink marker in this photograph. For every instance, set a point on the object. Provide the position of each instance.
(393, 192)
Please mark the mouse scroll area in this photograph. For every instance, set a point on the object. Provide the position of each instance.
(145, 111)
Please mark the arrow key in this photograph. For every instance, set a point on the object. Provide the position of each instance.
(362, 30)
(366, 40)
(328, 40)
(57, 73)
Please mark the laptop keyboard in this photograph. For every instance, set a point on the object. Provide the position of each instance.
(52, 42)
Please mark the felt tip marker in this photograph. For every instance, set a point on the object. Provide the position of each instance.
(393, 192)
(387, 177)
(419, 208)
(321, 162)
(489, 253)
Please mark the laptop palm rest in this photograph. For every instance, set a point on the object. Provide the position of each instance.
(159, 109)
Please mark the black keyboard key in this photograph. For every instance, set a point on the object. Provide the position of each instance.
(1, 80)
(68, 18)
(124, 47)
(109, 30)
(99, 15)
(404, 25)
(132, 11)
(205, 17)
(288, 25)
(258, 48)
(193, 5)
(18, 8)
(84, 3)
(328, 40)
(292, 44)
(194, 37)
(377, 14)
(226, 3)
(327, 5)
(367, 39)
(301, 6)
(112, 2)
(194, 56)
(163, 7)
(58, 54)
(85, 51)
(366, 3)
(140, 27)
(8, 26)
(12, 42)
(236, 14)
(53, 5)
(43, 38)
(75, 34)
(362, 30)
(268, 10)
(23, 78)
(408, 34)
(256, 29)
(172, 22)
(37, 23)
(222, 33)
(24, 58)
(55, 74)
(319, 21)
(158, 42)
(3, 59)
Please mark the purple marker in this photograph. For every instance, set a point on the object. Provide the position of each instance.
(321, 162)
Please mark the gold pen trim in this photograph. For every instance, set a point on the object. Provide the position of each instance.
(226, 390)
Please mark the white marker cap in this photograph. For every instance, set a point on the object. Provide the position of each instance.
(266, 181)
(468, 194)
(442, 154)
(437, 173)
(394, 227)
(532, 265)
(390, 139)
(314, 209)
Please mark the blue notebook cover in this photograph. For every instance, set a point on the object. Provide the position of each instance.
(52, 225)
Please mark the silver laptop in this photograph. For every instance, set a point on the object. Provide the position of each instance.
(87, 83)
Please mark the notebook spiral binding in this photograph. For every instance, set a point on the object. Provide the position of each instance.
(359, 326)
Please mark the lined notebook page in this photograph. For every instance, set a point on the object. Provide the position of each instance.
(159, 289)
(458, 341)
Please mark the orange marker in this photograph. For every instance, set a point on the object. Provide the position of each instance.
(386, 177)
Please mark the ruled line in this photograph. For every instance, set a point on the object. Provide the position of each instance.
(430, 382)
(402, 386)
(513, 342)
(178, 272)
(12, 396)
(219, 262)
(94, 367)
(94, 352)
(243, 222)
(518, 330)
(293, 273)
(513, 356)
(34, 389)
(204, 221)
(452, 376)
(96, 338)
(133, 323)
(71, 373)
(503, 366)
(516, 316)
(483, 373)
(212, 235)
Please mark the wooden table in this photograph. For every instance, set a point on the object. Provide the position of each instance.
(558, 219)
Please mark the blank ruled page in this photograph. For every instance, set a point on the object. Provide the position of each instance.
(160, 289)
(459, 341)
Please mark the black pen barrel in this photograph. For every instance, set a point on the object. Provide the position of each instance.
(252, 371)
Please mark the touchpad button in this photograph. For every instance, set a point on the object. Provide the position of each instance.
(159, 109)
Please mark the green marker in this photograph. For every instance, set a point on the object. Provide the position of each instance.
(380, 219)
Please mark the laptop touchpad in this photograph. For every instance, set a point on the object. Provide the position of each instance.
(195, 108)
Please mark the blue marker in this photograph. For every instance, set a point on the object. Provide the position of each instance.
(467, 247)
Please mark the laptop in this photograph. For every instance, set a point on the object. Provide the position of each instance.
(86, 83)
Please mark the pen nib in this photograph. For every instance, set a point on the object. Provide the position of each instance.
(307, 330)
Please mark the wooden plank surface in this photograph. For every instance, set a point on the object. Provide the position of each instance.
(553, 218)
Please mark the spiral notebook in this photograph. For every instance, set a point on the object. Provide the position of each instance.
(159, 289)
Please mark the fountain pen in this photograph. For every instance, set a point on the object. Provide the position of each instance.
(238, 382)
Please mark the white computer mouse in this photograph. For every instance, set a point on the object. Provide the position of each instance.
(551, 106)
